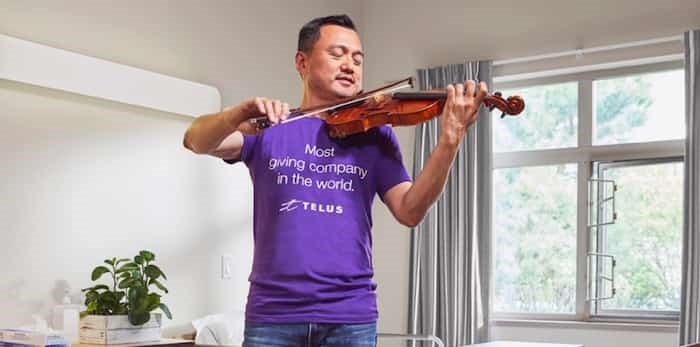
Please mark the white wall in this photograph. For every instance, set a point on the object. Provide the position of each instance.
(244, 48)
(84, 179)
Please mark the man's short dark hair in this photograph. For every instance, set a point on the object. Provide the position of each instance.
(311, 31)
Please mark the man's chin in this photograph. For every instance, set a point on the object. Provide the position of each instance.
(345, 92)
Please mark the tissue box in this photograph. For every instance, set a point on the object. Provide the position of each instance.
(26, 338)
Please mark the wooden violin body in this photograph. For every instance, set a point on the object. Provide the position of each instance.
(378, 107)
(405, 109)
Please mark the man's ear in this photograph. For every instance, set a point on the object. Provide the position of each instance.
(301, 62)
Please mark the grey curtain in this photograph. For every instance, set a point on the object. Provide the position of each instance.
(690, 286)
(450, 250)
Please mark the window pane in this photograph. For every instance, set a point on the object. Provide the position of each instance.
(646, 237)
(641, 108)
(549, 120)
(534, 218)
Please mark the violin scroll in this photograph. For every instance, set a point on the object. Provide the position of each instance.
(511, 106)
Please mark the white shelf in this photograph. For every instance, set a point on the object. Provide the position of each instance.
(44, 66)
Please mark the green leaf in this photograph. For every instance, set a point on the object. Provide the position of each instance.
(109, 261)
(136, 274)
(154, 272)
(139, 317)
(127, 267)
(160, 285)
(89, 288)
(121, 261)
(152, 302)
(128, 283)
(91, 297)
(120, 295)
(98, 287)
(122, 308)
(166, 311)
(108, 298)
(98, 272)
(139, 259)
(148, 256)
(135, 294)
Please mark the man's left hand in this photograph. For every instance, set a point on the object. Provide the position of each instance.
(461, 110)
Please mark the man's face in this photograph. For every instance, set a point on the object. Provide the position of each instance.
(333, 69)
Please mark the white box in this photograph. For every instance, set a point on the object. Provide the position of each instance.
(118, 322)
(17, 338)
(119, 336)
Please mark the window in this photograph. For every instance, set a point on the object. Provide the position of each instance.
(535, 273)
(587, 196)
(548, 121)
(644, 239)
(639, 108)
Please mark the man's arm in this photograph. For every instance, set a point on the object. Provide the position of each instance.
(409, 202)
(221, 134)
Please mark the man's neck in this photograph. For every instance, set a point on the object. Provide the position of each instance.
(310, 100)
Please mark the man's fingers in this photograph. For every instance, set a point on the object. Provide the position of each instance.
(274, 110)
(260, 104)
(285, 110)
(482, 92)
(270, 111)
(277, 106)
(450, 93)
(470, 86)
(459, 91)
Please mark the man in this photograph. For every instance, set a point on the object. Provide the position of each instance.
(311, 280)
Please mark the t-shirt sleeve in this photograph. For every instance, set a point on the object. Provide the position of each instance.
(389, 169)
(247, 151)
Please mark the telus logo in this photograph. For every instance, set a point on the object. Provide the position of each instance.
(294, 204)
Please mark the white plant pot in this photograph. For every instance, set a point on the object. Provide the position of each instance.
(109, 330)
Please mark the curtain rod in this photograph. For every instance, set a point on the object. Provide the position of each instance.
(588, 50)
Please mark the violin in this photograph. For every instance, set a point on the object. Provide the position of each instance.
(381, 106)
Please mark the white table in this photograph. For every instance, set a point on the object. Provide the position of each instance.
(522, 344)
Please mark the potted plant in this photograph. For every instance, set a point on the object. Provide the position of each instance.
(129, 299)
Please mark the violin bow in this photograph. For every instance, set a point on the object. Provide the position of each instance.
(264, 122)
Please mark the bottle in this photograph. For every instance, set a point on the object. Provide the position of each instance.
(66, 318)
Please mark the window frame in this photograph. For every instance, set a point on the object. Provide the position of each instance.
(583, 155)
(629, 315)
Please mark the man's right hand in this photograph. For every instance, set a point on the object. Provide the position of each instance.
(274, 110)
(219, 134)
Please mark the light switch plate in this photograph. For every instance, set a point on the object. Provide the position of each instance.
(226, 266)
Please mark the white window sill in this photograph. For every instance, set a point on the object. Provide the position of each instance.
(532, 323)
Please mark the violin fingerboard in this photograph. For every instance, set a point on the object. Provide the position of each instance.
(418, 96)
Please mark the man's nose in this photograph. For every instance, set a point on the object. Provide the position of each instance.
(347, 67)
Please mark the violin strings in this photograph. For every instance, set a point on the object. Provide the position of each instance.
(306, 115)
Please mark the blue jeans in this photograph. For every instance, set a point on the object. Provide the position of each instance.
(309, 334)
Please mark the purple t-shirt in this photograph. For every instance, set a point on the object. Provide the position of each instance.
(312, 221)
